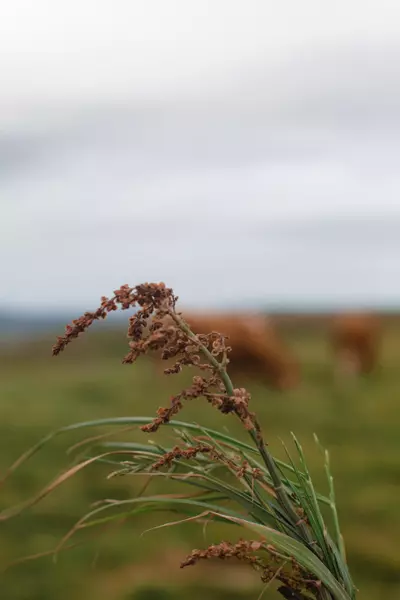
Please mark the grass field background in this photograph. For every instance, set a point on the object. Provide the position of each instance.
(358, 421)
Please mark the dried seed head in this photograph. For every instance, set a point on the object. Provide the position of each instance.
(268, 565)
(242, 550)
(157, 326)
(178, 453)
(149, 297)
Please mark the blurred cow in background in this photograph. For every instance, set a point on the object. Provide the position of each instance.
(256, 348)
(356, 341)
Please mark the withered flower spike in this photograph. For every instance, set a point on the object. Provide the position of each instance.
(151, 298)
(186, 453)
(177, 453)
(244, 550)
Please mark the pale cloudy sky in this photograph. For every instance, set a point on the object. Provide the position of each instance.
(242, 151)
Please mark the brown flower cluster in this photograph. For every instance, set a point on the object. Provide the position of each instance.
(146, 298)
(211, 389)
(156, 326)
(295, 580)
(176, 453)
(242, 550)
(242, 470)
(201, 386)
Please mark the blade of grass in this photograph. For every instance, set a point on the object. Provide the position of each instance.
(144, 501)
(331, 553)
(55, 484)
(319, 528)
(332, 503)
(118, 421)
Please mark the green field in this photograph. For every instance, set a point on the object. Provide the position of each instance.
(358, 421)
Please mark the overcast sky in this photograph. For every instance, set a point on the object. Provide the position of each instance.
(241, 151)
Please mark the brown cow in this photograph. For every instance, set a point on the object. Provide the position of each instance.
(256, 348)
(355, 339)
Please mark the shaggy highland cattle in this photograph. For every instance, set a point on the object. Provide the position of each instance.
(256, 348)
(356, 340)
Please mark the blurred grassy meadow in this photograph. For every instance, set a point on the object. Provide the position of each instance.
(359, 422)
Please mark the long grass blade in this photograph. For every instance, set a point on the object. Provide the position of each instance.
(118, 421)
(146, 504)
(332, 555)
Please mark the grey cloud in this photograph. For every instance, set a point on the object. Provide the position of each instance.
(222, 195)
(346, 85)
(348, 231)
(295, 111)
